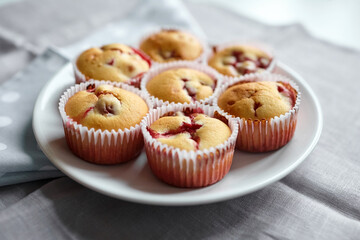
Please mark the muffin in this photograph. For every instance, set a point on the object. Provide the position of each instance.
(238, 60)
(180, 82)
(187, 146)
(172, 45)
(190, 131)
(266, 111)
(101, 121)
(114, 62)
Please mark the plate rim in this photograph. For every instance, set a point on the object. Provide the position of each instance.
(189, 202)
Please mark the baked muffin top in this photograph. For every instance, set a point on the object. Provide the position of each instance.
(115, 62)
(190, 131)
(106, 107)
(181, 85)
(172, 45)
(240, 60)
(258, 100)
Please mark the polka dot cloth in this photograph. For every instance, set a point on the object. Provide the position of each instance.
(5, 121)
(2, 146)
(10, 97)
(20, 158)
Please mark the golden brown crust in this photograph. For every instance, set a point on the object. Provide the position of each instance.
(197, 131)
(181, 85)
(239, 60)
(115, 62)
(107, 108)
(257, 100)
(171, 45)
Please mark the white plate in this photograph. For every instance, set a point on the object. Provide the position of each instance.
(134, 181)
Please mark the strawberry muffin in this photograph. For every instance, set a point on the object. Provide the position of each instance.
(172, 45)
(101, 121)
(238, 60)
(189, 147)
(266, 111)
(181, 85)
(114, 62)
(180, 82)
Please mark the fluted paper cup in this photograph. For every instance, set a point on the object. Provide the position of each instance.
(183, 168)
(101, 146)
(266, 134)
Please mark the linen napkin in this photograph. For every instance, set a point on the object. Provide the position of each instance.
(21, 159)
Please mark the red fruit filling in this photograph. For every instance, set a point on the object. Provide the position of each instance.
(80, 117)
(135, 81)
(190, 128)
(185, 127)
(142, 55)
(136, 51)
(107, 109)
(220, 117)
(256, 106)
(111, 62)
(90, 88)
(193, 112)
(286, 90)
(240, 57)
(88, 110)
(190, 91)
(100, 93)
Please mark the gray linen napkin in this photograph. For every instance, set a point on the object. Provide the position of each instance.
(21, 159)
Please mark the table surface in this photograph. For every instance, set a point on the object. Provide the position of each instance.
(335, 21)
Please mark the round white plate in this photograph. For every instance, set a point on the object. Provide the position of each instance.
(134, 181)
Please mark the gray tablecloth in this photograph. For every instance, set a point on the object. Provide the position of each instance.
(319, 200)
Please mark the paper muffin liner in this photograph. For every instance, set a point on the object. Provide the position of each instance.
(183, 168)
(261, 46)
(264, 135)
(134, 81)
(101, 146)
(203, 42)
(157, 69)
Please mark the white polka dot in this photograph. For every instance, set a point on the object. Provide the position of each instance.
(10, 97)
(2, 146)
(5, 121)
(47, 168)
